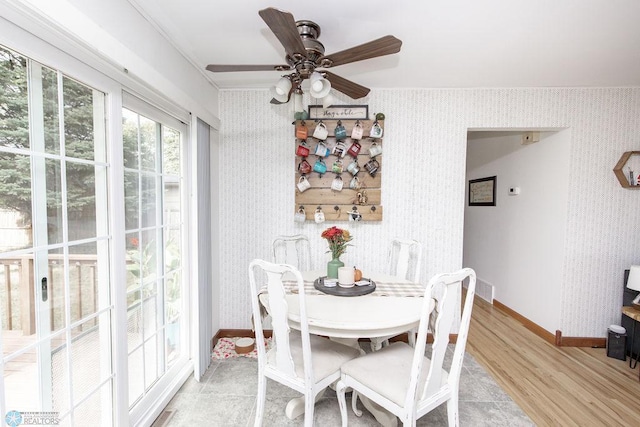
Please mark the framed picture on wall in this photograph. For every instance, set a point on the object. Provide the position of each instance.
(482, 191)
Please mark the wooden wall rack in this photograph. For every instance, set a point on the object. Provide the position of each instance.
(337, 205)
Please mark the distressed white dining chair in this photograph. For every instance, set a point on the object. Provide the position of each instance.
(293, 250)
(405, 261)
(306, 363)
(401, 378)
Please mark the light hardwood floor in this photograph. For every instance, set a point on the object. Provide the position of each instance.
(554, 386)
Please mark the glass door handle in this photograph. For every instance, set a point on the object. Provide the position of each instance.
(44, 289)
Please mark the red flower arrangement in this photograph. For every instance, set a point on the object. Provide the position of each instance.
(338, 240)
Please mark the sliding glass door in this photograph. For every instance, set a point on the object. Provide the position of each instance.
(154, 200)
(55, 295)
(92, 244)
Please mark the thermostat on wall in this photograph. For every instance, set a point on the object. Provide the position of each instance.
(514, 191)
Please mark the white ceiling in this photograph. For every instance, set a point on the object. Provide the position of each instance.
(446, 43)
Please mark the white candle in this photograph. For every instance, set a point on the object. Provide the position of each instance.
(345, 275)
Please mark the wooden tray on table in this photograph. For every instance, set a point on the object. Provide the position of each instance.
(353, 291)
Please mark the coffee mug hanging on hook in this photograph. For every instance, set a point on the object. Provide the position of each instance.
(354, 215)
(304, 167)
(300, 216)
(337, 166)
(337, 183)
(301, 131)
(340, 132)
(321, 132)
(354, 150)
(355, 184)
(372, 167)
(302, 150)
(303, 184)
(375, 149)
(320, 167)
(353, 167)
(321, 150)
(376, 130)
(356, 132)
(340, 149)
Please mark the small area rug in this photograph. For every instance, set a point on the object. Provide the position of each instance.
(225, 349)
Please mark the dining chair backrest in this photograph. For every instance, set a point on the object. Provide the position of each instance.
(405, 258)
(278, 310)
(427, 384)
(445, 288)
(303, 362)
(293, 250)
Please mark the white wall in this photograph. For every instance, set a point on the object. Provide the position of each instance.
(518, 245)
(423, 187)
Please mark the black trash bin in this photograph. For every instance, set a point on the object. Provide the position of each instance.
(617, 342)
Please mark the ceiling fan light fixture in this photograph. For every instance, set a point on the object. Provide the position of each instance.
(316, 81)
(283, 86)
(280, 98)
(320, 86)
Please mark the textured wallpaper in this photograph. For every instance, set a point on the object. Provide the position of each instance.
(423, 187)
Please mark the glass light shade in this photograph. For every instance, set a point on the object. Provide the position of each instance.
(633, 282)
(315, 78)
(283, 86)
(320, 86)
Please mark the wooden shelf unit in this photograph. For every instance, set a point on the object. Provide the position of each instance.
(619, 172)
(336, 205)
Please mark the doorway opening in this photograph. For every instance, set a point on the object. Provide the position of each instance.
(517, 246)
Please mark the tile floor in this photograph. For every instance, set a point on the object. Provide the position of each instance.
(226, 396)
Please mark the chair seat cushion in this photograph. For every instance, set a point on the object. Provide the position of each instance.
(388, 371)
(326, 356)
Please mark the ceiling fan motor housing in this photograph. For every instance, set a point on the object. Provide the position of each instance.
(309, 32)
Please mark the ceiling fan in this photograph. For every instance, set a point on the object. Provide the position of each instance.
(305, 54)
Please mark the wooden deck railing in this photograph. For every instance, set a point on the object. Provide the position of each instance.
(18, 286)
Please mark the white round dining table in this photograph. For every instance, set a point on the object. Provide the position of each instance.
(367, 316)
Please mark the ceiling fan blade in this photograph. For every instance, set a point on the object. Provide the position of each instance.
(284, 27)
(349, 88)
(226, 68)
(383, 46)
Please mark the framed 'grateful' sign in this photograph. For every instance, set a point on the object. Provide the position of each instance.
(482, 191)
(339, 112)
